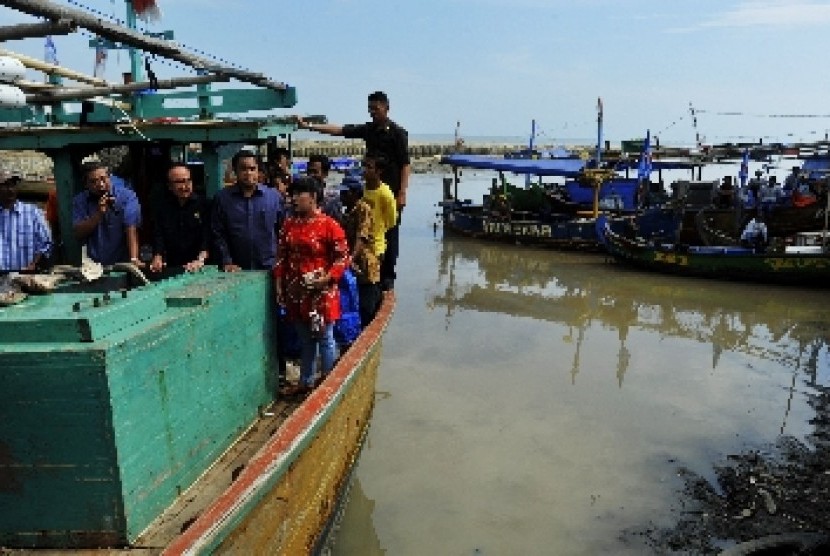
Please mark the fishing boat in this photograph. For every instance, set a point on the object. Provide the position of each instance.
(807, 263)
(715, 213)
(549, 214)
(560, 214)
(145, 418)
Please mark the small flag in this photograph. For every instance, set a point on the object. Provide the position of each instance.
(147, 10)
(100, 59)
(743, 174)
(599, 106)
(644, 168)
(50, 52)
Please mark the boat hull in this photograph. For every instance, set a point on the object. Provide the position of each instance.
(562, 233)
(726, 263)
(286, 498)
(278, 487)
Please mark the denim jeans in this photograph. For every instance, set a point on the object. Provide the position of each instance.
(308, 356)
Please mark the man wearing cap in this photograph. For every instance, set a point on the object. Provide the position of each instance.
(358, 225)
(106, 217)
(24, 235)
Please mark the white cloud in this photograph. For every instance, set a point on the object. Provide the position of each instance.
(772, 13)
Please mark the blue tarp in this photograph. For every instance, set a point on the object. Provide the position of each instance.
(568, 167)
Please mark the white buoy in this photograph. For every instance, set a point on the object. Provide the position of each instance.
(11, 97)
(11, 69)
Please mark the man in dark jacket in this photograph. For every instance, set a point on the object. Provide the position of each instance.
(182, 225)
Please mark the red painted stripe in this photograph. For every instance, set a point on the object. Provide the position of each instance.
(291, 430)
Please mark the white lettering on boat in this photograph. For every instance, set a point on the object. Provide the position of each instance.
(527, 230)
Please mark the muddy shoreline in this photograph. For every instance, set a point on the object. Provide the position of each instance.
(778, 494)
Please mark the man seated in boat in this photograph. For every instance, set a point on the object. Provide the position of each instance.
(106, 217)
(25, 240)
(803, 195)
(791, 182)
(754, 235)
(769, 194)
(726, 193)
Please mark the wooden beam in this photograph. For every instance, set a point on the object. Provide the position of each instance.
(130, 37)
(39, 65)
(61, 94)
(29, 30)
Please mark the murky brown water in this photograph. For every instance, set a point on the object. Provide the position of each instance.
(539, 402)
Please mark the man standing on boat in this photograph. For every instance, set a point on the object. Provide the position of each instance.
(391, 141)
(246, 218)
(358, 225)
(319, 166)
(24, 234)
(181, 224)
(106, 217)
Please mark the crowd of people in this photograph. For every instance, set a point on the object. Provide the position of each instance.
(267, 219)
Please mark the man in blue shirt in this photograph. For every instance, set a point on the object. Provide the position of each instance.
(106, 218)
(24, 235)
(245, 220)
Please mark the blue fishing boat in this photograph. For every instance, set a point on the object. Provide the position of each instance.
(553, 214)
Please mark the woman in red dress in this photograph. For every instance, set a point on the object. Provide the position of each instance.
(311, 257)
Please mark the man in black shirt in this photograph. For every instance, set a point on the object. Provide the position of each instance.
(181, 225)
(386, 138)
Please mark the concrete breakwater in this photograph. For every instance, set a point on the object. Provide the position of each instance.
(356, 147)
(36, 166)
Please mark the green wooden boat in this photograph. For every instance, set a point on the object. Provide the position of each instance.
(801, 265)
(144, 417)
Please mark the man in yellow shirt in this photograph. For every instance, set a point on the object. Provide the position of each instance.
(379, 196)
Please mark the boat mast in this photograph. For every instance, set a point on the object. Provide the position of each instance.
(599, 131)
(531, 144)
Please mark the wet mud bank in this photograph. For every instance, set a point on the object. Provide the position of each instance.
(773, 500)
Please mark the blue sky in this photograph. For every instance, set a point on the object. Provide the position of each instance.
(494, 65)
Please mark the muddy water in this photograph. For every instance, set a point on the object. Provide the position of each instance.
(535, 402)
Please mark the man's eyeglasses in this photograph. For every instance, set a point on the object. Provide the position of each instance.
(98, 179)
(181, 181)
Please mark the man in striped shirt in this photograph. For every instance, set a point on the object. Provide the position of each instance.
(24, 235)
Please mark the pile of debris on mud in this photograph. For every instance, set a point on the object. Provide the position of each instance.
(777, 495)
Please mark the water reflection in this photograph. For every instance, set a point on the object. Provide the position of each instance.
(357, 520)
(507, 430)
(580, 290)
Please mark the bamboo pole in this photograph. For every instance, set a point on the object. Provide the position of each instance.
(167, 49)
(60, 94)
(40, 65)
(28, 30)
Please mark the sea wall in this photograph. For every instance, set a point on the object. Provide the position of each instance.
(36, 166)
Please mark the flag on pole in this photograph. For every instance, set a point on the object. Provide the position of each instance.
(599, 106)
(50, 52)
(743, 174)
(644, 168)
(100, 59)
(147, 10)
